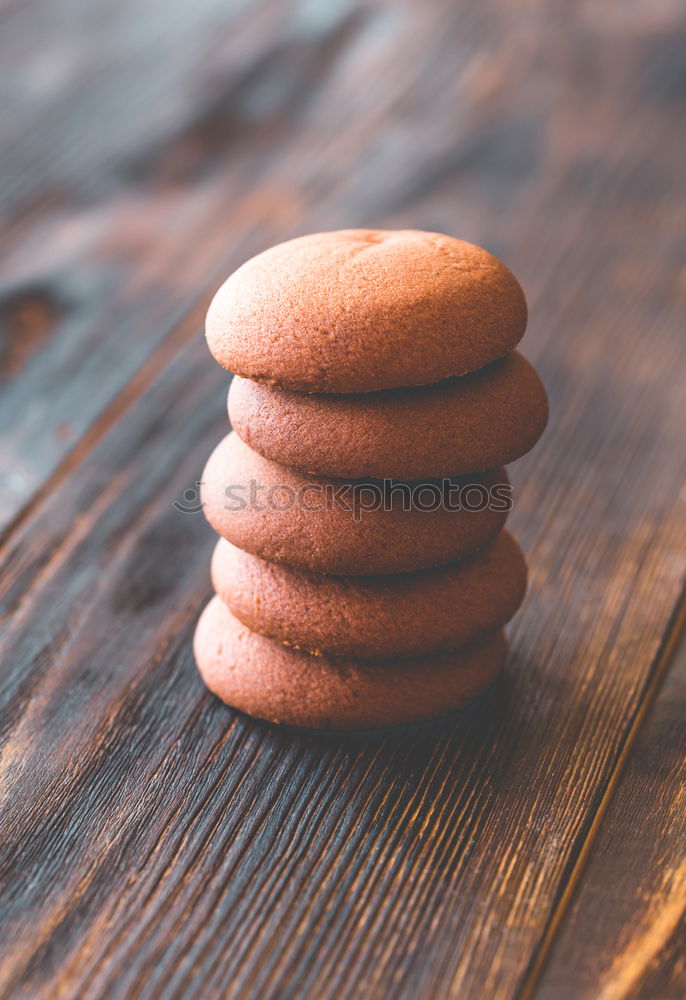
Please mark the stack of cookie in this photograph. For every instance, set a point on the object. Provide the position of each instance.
(363, 576)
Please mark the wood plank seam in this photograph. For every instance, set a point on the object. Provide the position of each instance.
(674, 634)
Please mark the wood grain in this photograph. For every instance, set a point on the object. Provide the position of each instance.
(153, 843)
(625, 935)
(115, 231)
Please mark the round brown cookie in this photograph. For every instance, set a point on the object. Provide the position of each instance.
(378, 617)
(364, 309)
(273, 682)
(465, 424)
(333, 526)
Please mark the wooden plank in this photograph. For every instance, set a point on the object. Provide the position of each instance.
(156, 845)
(133, 181)
(625, 935)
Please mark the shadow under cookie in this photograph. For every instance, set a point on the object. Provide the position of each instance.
(272, 682)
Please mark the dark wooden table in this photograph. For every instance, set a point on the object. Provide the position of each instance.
(156, 844)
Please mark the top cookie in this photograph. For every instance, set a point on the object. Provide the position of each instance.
(365, 309)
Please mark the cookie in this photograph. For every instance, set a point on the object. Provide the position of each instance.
(332, 526)
(272, 682)
(465, 424)
(365, 309)
(374, 618)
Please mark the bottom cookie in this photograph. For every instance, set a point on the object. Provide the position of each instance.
(269, 681)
